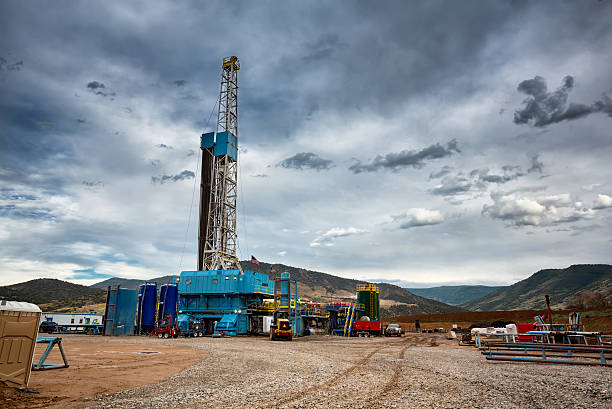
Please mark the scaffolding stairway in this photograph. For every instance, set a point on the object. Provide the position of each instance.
(348, 322)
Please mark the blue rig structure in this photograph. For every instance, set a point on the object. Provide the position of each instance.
(230, 302)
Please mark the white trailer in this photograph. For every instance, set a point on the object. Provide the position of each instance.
(73, 322)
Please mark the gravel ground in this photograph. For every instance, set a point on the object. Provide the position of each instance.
(329, 372)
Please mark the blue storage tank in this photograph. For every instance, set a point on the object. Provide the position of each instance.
(120, 314)
(147, 306)
(168, 299)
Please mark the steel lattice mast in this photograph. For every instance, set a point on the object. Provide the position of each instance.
(217, 239)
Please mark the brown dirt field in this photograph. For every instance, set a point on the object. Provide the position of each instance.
(97, 367)
(594, 320)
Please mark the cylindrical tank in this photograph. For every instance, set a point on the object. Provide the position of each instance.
(147, 301)
(168, 297)
(369, 296)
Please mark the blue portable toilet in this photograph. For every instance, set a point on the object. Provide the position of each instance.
(147, 306)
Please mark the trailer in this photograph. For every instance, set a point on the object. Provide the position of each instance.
(74, 322)
(367, 328)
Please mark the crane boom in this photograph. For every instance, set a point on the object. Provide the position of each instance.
(217, 238)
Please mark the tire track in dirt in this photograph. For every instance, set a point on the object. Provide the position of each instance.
(392, 383)
(327, 384)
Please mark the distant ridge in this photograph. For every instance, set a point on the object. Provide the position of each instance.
(131, 283)
(454, 294)
(49, 291)
(567, 287)
(321, 286)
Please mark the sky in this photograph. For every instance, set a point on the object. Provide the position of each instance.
(422, 143)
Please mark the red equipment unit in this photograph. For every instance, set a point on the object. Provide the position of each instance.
(165, 329)
(523, 328)
(367, 327)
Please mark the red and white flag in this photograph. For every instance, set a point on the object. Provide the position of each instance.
(254, 260)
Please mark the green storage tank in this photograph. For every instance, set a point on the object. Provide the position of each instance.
(369, 296)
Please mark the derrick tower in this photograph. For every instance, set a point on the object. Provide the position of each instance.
(217, 238)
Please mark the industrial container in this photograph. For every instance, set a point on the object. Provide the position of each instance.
(369, 296)
(120, 315)
(75, 322)
(147, 303)
(168, 298)
(18, 329)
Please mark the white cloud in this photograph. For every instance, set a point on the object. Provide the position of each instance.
(419, 217)
(328, 238)
(540, 211)
(602, 202)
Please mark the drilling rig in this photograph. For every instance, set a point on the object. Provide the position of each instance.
(220, 297)
(219, 179)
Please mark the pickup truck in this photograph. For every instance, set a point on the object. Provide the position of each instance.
(393, 330)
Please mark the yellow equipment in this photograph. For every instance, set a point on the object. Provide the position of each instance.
(281, 329)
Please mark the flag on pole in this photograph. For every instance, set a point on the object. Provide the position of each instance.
(254, 260)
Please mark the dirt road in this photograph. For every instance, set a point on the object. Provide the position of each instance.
(328, 372)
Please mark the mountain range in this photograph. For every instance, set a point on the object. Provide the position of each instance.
(53, 295)
(132, 283)
(579, 286)
(321, 287)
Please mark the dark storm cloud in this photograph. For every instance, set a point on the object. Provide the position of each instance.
(332, 62)
(163, 146)
(416, 159)
(186, 174)
(94, 85)
(479, 179)
(99, 88)
(543, 108)
(5, 65)
(306, 160)
(510, 173)
(179, 83)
